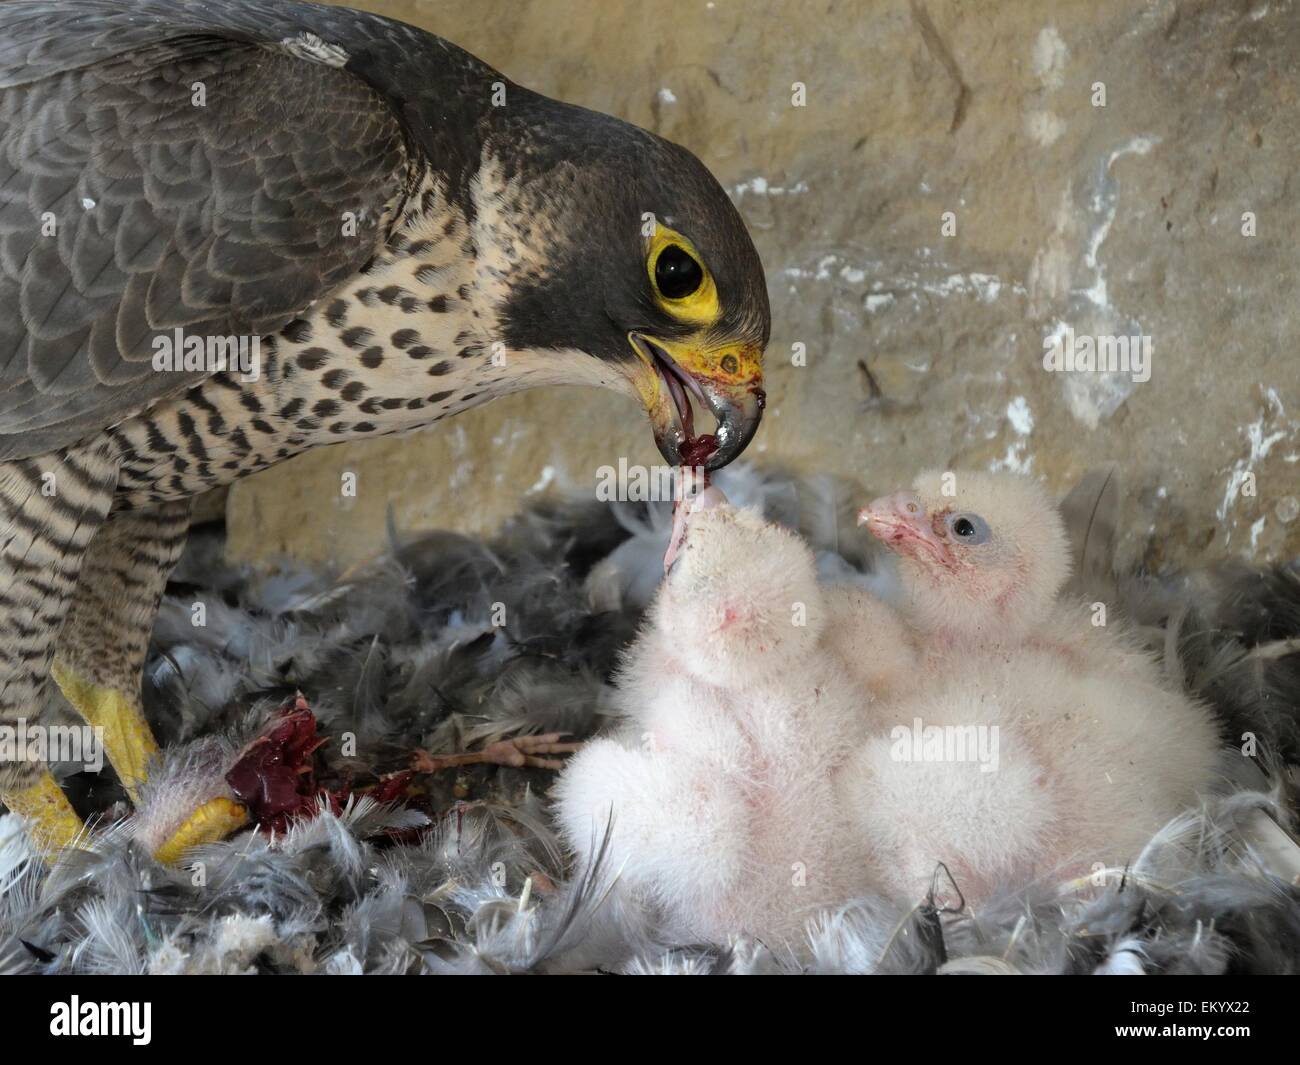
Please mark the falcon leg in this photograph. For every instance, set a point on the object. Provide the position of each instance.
(54, 823)
(102, 648)
(117, 718)
(50, 509)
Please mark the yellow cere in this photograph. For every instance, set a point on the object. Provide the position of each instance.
(726, 363)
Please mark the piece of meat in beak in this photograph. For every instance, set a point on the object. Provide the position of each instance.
(695, 494)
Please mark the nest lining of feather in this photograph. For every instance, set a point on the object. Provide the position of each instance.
(467, 874)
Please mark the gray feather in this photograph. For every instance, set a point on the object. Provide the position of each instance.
(225, 218)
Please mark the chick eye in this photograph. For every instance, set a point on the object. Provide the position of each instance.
(968, 528)
(677, 275)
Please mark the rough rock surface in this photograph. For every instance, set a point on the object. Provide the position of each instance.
(1123, 219)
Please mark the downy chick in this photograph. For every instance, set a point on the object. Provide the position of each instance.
(717, 793)
(1034, 742)
(982, 560)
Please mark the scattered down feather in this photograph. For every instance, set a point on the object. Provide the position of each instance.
(474, 877)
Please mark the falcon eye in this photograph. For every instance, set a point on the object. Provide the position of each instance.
(677, 275)
(681, 283)
(968, 528)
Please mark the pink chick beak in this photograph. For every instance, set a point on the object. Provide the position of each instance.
(705, 500)
(900, 522)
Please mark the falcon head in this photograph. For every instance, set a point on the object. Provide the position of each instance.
(628, 257)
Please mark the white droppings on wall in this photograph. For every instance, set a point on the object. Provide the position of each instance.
(759, 186)
(1044, 127)
(1104, 208)
(1049, 57)
(1020, 416)
(1255, 530)
(1262, 435)
(543, 482)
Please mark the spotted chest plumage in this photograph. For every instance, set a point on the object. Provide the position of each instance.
(406, 343)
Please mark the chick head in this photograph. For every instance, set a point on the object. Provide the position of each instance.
(740, 600)
(980, 555)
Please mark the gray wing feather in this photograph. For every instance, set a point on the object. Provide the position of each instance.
(130, 207)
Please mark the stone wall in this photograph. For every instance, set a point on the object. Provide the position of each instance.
(924, 341)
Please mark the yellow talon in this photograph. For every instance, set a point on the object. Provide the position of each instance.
(122, 728)
(213, 821)
(129, 745)
(54, 823)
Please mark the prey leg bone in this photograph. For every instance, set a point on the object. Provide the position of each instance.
(518, 751)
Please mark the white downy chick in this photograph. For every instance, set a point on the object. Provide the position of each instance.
(872, 641)
(718, 791)
(1034, 743)
(981, 557)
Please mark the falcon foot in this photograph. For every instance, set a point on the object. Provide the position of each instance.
(517, 751)
(210, 823)
(54, 824)
(120, 723)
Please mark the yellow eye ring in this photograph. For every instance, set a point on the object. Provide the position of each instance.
(698, 306)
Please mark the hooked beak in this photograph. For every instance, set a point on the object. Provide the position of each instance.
(727, 379)
(900, 522)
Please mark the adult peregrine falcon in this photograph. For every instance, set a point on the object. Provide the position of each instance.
(399, 231)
